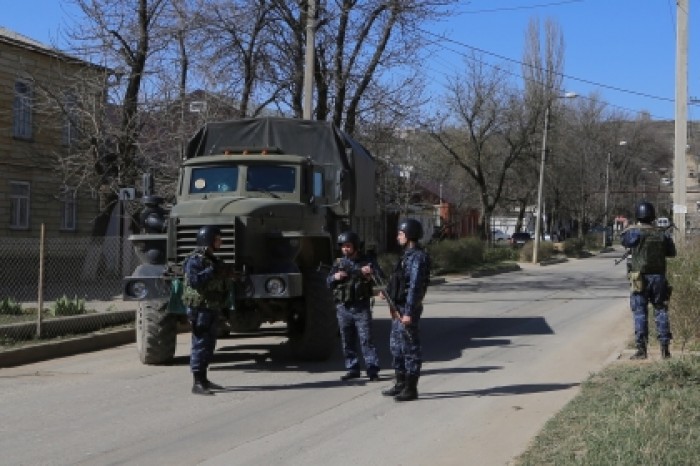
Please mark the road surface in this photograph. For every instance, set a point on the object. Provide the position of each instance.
(502, 355)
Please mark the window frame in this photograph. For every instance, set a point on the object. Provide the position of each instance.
(69, 209)
(22, 107)
(24, 205)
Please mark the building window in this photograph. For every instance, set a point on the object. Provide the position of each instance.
(19, 204)
(22, 123)
(70, 127)
(69, 210)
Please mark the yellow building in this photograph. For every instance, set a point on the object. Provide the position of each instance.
(45, 174)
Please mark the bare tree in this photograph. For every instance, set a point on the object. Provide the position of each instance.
(491, 131)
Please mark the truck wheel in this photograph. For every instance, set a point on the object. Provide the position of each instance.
(313, 327)
(156, 333)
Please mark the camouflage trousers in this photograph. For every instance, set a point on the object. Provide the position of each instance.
(405, 346)
(355, 322)
(204, 329)
(655, 291)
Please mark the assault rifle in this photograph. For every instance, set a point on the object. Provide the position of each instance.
(347, 266)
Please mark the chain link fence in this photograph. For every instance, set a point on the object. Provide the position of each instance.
(64, 286)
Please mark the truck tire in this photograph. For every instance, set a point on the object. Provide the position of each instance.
(156, 332)
(313, 327)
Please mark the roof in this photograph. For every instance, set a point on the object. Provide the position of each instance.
(16, 39)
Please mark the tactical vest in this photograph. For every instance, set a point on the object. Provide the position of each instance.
(354, 288)
(650, 254)
(397, 288)
(211, 295)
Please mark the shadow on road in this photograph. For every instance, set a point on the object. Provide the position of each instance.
(503, 390)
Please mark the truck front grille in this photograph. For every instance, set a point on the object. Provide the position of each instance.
(187, 241)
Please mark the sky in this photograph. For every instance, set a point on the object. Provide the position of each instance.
(624, 51)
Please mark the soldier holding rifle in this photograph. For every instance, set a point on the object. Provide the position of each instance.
(406, 289)
(649, 246)
(351, 279)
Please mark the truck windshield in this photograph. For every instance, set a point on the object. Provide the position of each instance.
(213, 179)
(268, 178)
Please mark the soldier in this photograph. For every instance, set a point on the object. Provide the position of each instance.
(204, 294)
(650, 246)
(350, 279)
(407, 287)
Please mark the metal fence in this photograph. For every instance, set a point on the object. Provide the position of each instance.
(76, 282)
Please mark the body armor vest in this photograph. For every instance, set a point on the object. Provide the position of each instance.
(354, 288)
(211, 295)
(650, 254)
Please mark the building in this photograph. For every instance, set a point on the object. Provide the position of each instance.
(44, 161)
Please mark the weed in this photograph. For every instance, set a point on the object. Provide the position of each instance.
(9, 307)
(65, 306)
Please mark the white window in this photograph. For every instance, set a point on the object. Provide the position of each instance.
(69, 210)
(22, 122)
(19, 204)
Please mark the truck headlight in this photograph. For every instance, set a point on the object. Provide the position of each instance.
(275, 286)
(137, 289)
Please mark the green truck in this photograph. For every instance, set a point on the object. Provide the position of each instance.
(280, 190)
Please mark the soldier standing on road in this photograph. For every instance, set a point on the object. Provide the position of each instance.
(204, 294)
(650, 246)
(407, 287)
(350, 279)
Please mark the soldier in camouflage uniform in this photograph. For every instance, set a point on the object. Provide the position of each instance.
(350, 279)
(407, 287)
(650, 247)
(204, 294)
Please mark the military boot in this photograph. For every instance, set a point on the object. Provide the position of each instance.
(665, 352)
(399, 385)
(641, 352)
(199, 387)
(410, 390)
(209, 384)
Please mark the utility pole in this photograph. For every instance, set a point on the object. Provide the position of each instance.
(680, 206)
(309, 59)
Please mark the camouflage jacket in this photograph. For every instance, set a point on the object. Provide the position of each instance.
(205, 286)
(410, 280)
(355, 287)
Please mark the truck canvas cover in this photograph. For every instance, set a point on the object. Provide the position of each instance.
(321, 140)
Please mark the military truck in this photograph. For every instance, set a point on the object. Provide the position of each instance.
(280, 190)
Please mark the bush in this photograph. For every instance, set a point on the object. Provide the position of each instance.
(682, 273)
(9, 307)
(500, 254)
(68, 307)
(545, 251)
(456, 255)
(574, 247)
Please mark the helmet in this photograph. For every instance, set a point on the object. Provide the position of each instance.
(644, 211)
(412, 228)
(349, 237)
(206, 235)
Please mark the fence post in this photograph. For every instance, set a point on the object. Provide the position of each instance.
(40, 291)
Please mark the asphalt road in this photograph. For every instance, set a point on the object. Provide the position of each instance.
(502, 355)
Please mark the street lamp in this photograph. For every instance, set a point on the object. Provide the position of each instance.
(568, 95)
(607, 192)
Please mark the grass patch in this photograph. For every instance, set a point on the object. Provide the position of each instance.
(629, 414)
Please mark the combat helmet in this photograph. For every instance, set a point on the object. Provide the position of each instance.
(644, 212)
(206, 235)
(349, 237)
(412, 228)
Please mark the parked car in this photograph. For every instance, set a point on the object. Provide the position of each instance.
(499, 235)
(518, 240)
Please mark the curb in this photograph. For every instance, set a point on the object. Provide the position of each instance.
(67, 347)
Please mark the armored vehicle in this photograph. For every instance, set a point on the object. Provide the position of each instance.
(280, 190)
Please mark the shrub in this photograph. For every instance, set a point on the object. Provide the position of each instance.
(500, 254)
(683, 272)
(545, 251)
(9, 307)
(69, 307)
(574, 247)
(455, 255)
